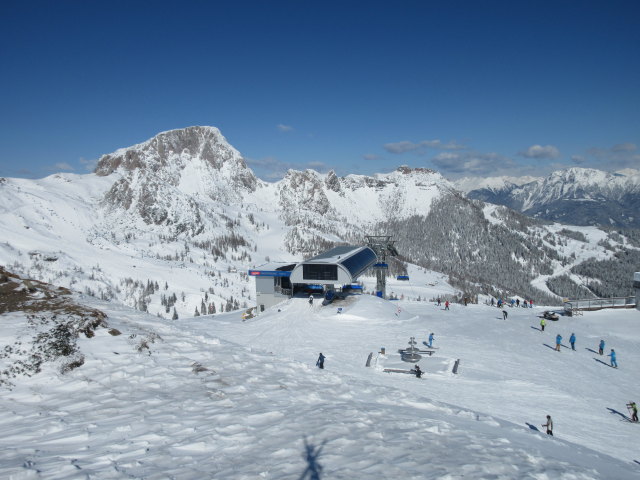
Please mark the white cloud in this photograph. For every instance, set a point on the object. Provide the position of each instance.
(89, 165)
(400, 147)
(472, 163)
(407, 146)
(578, 159)
(284, 128)
(540, 152)
(624, 147)
(370, 156)
(64, 166)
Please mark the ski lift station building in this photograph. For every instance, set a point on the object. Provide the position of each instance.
(277, 281)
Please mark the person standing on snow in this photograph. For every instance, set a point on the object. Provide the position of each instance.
(601, 347)
(558, 342)
(418, 371)
(634, 411)
(572, 341)
(311, 300)
(543, 322)
(430, 338)
(320, 362)
(549, 425)
(504, 314)
(446, 305)
(614, 364)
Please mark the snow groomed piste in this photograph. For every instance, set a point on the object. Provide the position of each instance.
(216, 397)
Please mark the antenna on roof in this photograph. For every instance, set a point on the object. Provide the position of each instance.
(382, 245)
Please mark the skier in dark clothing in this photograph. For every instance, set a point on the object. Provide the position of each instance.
(634, 411)
(320, 362)
(549, 425)
(504, 314)
(418, 371)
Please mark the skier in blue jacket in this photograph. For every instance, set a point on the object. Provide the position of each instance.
(572, 341)
(430, 338)
(614, 364)
(558, 342)
(601, 347)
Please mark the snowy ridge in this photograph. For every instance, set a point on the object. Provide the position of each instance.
(578, 196)
(182, 210)
(494, 184)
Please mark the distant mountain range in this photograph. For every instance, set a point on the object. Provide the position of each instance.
(175, 222)
(576, 196)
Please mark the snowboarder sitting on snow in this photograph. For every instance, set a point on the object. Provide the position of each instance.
(549, 425)
(634, 411)
(320, 362)
(601, 347)
(430, 338)
(558, 342)
(418, 371)
(614, 364)
(572, 341)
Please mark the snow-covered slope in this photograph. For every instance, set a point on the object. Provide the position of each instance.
(215, 397)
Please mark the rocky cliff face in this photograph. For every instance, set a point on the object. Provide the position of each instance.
(170, 179)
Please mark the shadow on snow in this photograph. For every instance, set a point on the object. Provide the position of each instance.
(311, 455)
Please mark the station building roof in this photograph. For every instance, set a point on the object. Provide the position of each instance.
(343, 264)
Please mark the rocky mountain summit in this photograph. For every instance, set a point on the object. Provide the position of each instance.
(168, 179)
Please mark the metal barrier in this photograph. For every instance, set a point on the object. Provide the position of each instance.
(576, 307)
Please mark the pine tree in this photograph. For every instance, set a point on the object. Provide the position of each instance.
(175, 314)
(197, 314)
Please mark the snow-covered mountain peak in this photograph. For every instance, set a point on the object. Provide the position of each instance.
(203, 142)
(165, 180)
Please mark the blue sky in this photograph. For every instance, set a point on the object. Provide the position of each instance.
(476, 88)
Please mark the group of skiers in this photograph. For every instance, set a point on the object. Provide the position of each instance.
(514, 302)
(572, 341)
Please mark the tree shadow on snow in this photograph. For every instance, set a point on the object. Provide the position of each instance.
(311, 455)
(615, 412)
(532, 427)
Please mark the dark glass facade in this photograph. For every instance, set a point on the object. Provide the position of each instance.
(319, 271)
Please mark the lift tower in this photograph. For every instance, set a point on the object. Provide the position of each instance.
(383, 245)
